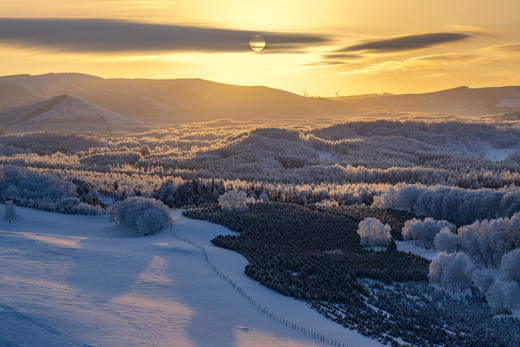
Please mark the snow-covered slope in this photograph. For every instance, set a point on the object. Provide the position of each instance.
(64, 110)
(79, 280)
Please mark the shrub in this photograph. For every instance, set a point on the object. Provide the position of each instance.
(144, 215)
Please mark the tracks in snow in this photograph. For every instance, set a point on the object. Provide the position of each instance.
(307, 332)
(39, 324)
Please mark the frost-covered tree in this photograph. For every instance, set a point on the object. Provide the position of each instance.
(423, 232)
(144, 215)
(373, 233)
(446, 240)
(510, 265)
(10, 212)
(263, 197)
(233, 201)
(455, 204)
(483, 279)
(487, 241)
(503, 296)
(452, 271)
(327, 203)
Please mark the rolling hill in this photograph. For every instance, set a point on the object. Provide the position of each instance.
(175, 100)
(62, 110)
(461, 101)
(168, 100)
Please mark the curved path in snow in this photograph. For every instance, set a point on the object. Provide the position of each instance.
(287, 311)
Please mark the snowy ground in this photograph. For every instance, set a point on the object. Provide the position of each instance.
(496, 154)
(410, 247)
(78, 280)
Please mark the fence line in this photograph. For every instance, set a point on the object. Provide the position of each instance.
(307, 332)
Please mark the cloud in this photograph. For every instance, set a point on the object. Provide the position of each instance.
(326, 63)
(424, 63)
(469, 29)
(346, 56)
(405, 43)
(106, 35)
(512, 48)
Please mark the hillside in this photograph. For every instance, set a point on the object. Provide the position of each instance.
(461, 101)
(62, 110)
(167, 100)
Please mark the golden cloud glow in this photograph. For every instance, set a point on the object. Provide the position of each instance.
(477, 36)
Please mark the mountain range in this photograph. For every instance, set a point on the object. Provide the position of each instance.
(126, 100)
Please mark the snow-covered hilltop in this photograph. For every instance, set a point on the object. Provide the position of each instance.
(63, 110)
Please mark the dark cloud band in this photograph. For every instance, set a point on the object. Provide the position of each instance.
(105, 35)
(408, 42)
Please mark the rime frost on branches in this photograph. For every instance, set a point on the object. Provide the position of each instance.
(144, 215)
(488, 240)
(446, 240)
(455, 273)
(503, 296)
(327, 203)
(510, 266)
(233, 201)
(373, 233)
(423, 232)
(456, 204)
(452, 271)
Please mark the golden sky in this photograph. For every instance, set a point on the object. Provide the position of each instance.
(323, 47)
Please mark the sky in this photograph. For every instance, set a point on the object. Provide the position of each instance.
(317, 48)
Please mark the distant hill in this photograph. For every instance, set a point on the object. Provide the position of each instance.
(461, 101)
(62, 110)
(197, 99)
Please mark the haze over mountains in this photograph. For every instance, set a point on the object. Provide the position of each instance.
(461, 100)
(197, 99)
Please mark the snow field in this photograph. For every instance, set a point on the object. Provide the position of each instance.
(78, 280)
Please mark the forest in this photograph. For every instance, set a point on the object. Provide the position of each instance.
(315, 255)
(320, 210)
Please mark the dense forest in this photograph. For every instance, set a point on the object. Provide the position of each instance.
(315, 255)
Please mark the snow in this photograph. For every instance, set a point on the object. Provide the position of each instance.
(70, 108)
(487, 151)
(79, 280)
(327, 156)
(49, 85)
(496, 154)
(375, 248)
(410, 247)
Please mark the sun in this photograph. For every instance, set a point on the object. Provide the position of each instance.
(257, 43)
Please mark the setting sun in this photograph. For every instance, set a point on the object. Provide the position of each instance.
(312, 43)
